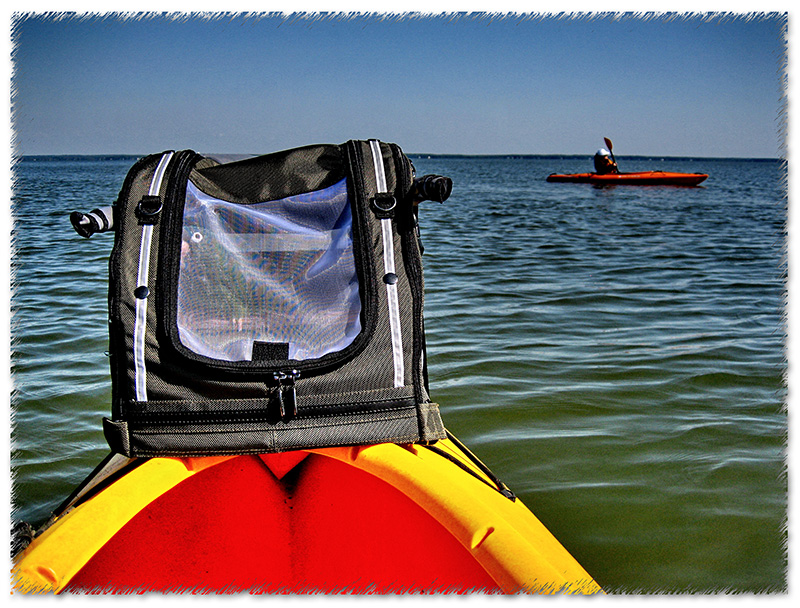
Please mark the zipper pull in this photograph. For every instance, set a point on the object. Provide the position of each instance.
(287, 395)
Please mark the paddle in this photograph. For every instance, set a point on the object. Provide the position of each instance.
(611, 149)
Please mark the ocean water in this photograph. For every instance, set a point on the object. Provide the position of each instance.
(615, 355)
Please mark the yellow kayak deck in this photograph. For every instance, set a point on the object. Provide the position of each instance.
(375, 519)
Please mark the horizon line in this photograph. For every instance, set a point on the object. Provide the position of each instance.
(427, 155)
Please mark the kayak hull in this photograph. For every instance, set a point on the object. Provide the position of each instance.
(375, 519)
(641, 178)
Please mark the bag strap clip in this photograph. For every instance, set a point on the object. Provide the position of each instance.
(149, 209)
(383, 205)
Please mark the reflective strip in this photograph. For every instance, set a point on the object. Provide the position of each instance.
(394, 306)
(388, 264)
(377, 162)
(140, 327)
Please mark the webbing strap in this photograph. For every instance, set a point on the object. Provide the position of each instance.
(140, 326)
(389, 267)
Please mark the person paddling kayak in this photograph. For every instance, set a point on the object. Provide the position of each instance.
(603, 163)
(607, 172)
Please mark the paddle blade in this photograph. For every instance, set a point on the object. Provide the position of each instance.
(609, 145)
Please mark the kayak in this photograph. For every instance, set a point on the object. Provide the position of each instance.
(386, 518)
(640, 178)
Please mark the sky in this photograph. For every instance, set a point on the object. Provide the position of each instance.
(488, 83)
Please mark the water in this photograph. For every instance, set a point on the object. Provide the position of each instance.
(616, 355)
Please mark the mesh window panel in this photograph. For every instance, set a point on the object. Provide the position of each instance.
(270, 280)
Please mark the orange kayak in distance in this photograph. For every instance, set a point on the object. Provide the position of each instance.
(639, 178)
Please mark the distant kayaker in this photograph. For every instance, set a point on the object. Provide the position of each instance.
(603, 163)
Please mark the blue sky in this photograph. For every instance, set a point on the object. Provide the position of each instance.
(693, 86)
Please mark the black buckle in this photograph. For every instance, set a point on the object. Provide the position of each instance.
(383, 204)
(148, 209)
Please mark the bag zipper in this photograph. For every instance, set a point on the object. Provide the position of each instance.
(287, 394)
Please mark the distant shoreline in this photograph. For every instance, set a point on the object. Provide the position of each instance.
(420, 155)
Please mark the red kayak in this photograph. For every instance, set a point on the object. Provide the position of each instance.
(387, 518)
(640, 178)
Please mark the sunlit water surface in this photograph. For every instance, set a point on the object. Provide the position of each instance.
(616, 355)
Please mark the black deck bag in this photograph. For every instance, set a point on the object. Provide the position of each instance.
(268, 304)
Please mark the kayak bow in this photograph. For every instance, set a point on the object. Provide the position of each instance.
(378, 519)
